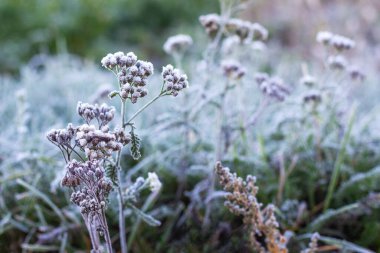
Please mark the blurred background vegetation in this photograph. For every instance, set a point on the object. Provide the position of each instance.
(90, 28)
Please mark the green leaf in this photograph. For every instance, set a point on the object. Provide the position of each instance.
(111, 173)
(135, 144)
(113, 93)
(146, 217)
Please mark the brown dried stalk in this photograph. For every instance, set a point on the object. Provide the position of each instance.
(260, 222)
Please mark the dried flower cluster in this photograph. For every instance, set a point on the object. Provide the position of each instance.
(233, 69)
(245, 30)
(174, 81)
(177, 44)
(313, 245)
(272, 87)
(260, 222)
(132, 74)
(338, 42)
(338, 61)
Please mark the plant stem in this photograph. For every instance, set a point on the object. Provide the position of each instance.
(122, 230)
(106, 232)
(339, 160)
(145, 207)
(142, 109)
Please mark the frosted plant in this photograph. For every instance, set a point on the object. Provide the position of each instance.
(178, 44)
(272, 87)
(233, 69)
(260, 222)
(313, 245)
(98, 172)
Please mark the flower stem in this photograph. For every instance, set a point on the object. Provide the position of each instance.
(122, 230)
(142, 109)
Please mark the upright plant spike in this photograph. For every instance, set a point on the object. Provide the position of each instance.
(93, 177)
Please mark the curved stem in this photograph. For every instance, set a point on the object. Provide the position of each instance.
(142, 109)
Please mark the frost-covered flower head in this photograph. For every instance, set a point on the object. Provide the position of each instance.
(211, 23)
(94, 187)
(308, 80)
(119, 59)
(337, 62)
(272, 87)
(324, 37)
(233, 69)
(97, 143)
(356, 73)
(177, 44)
(313, 96)
(132, 74)
(62, 137)
(174, 80)
(103, 113)
(342, 43)
(154, 182)
(246, 31)
(337, 41)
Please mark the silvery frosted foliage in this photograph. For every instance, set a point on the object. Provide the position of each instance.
(272, 87)
(97, 143)
(178, 44)
(233, 69)
(103, 113)
(211, 23)
(174, 80)
(94, 187)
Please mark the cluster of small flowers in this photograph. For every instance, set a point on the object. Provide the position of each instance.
(132, 74)
(337, 62)
(91, 198)
(177, 44)
(133, 80)
(97, 143)
(313, 96)
(133, 191)
(339, 42)
(103, 113)
(241, 200)
(308, 80)
(313, 245)
(233, 69)
(174, 80)
(62, 137)
(211, 23)
(245, 30)
(272, 86)
(355, 73)
(119, 59)
(154, 182)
